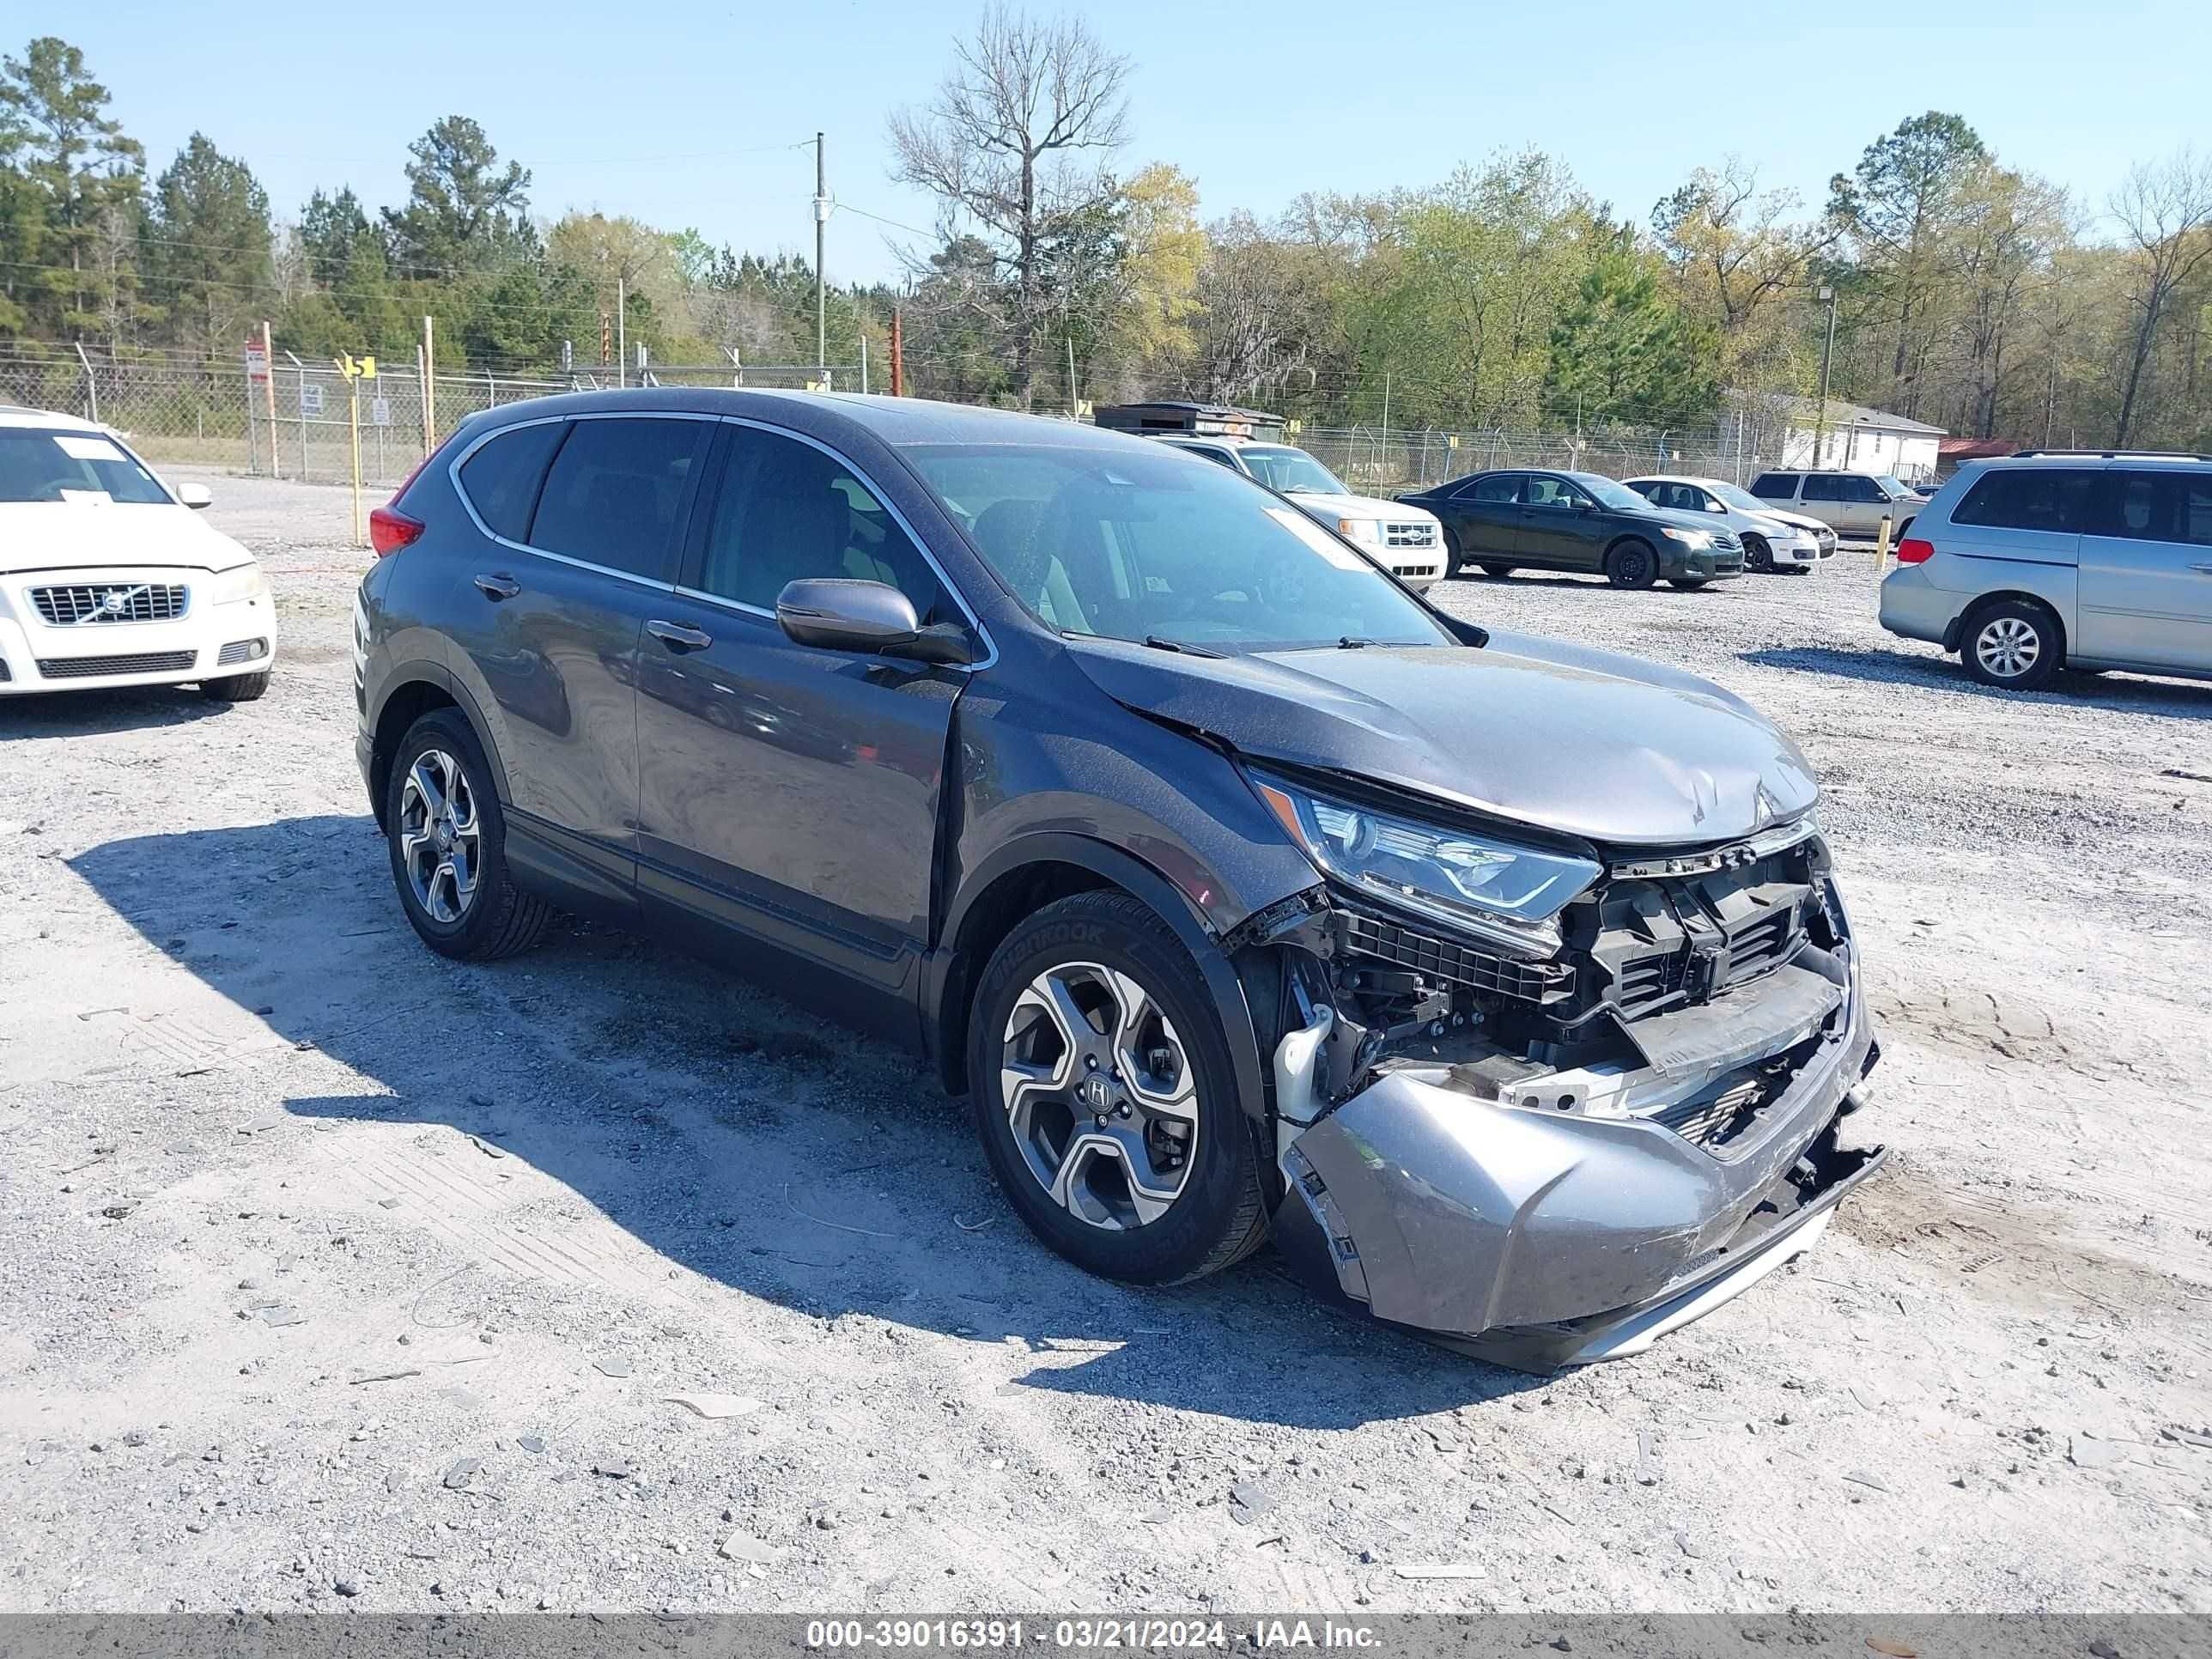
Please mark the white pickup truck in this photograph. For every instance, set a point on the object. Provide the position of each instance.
(1404, 540)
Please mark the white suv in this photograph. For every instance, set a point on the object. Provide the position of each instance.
(1406, 541)
(107, 579)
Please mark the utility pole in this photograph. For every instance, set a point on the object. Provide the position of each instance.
(820, 293)
(622, 333)
(1827, 296)
(1071, 377)
(898, 353)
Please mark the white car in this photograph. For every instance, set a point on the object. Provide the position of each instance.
(1404, 540)
(107, 578)
(1773, 539)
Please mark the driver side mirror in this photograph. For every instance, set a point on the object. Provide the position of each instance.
(842, 614)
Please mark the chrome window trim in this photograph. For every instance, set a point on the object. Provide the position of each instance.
(454, 473)
(860, 475)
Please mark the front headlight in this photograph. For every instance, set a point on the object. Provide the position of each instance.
(1475, 881)
(246, 581)
(1697, 540)
(1369, 531)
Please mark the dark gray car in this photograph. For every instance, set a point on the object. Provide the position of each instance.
(1585, 522)
(1503, 981)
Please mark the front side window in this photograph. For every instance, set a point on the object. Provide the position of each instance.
(1863, 490)
(1552, 492)
(1218, 457)
(502, 478)
(615, 490)
(1136, 546)
(1288, 469)
(2163, 506)
(787, 512)
(85, 467)
(2051, 499)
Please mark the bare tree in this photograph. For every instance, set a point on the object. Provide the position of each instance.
(1000, 144)
(2166, 208)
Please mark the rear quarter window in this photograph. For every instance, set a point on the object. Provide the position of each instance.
(2024, 498)
(1775, 486)
(502, 478)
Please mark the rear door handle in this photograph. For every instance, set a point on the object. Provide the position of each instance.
(677, 636)
(499, 586)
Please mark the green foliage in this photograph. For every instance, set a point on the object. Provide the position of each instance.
(464, 212)
(206, 247)
(1622, 351)
(54, 126)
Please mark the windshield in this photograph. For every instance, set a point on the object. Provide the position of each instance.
(38, 466)
(1147, 546)
(1288, 468)
(1742, 500)
(1610, 494)
(1890, 487)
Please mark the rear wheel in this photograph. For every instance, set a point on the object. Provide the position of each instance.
(1688, 584)
(1632, 564)
(448, 842)
(1455, 556)
(2014, 644)
(1105, 1098)
(1498, 572)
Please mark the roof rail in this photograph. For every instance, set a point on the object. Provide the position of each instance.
(2107, 454)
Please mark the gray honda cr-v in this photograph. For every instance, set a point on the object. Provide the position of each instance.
(1503, 981)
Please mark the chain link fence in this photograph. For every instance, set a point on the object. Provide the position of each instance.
(300, 421)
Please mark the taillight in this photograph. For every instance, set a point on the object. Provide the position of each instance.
(1913, 550)
(390, 530)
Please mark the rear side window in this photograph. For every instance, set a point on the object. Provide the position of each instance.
(615, 490)
(1500, 487)
(2163, 506)
(2023, 498)
(502, 478)
(1775, 486)
(1819, 489)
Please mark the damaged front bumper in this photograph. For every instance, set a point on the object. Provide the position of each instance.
(1576, 1220)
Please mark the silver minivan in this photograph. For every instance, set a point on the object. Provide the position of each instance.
(2063, 558)
(1849, 503)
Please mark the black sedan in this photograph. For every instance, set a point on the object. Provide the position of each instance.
(1577, 521)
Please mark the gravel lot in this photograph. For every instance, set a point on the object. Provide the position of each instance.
(337, 1274)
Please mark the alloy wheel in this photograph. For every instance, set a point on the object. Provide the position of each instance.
(440, 835)
(1100, 1095)
(2007, 647)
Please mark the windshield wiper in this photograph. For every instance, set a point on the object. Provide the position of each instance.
(1355, 642)
(1161, 642)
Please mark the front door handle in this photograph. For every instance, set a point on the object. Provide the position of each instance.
(2201, 570)
(498, 587)
(677, 636)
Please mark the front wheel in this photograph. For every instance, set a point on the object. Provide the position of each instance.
(236, 688)
(1105, 1097)
(448, 843)
(1632, 565)
(1757, 553)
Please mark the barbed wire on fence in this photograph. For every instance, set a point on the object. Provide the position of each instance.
(181, 409)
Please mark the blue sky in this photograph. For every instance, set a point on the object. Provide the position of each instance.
(673, 110)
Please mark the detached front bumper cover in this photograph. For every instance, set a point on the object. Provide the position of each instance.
(1540, 1240)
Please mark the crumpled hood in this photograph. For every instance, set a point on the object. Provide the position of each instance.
(1585, 742)
(1359, 507)
(66, 535)
(1794, 520)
